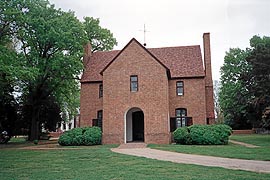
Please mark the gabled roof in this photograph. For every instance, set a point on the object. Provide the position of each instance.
(181, 61)
(131, 41)
(98, 61)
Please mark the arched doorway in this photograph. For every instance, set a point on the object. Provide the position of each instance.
(135, 125)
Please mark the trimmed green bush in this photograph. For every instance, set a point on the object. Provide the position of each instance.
(65, 139)
(81, 136)
(181, 135)
(203, 134)
(92, 136)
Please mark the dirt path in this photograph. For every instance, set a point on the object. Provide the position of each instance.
(238, 164)
(244, 144)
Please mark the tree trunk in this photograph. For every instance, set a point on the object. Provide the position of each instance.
(34, 131)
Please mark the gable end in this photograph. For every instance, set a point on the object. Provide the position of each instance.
(133, 39)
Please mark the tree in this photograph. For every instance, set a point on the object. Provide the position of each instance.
(245, 90)
(49, 114)
(8, 66)
(8, 106)
(233, 95)
(51, 44)
(45, 62)
(258, 78)
(100, 38)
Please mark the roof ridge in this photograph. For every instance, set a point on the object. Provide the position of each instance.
(174, 47)
(106, 51)
(115, 50)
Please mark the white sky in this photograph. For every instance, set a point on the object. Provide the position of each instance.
(231, 23)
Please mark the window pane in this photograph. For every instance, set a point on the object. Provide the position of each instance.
(133, 78)
(180, 88)
(133, 83)
(133, 86)
(179, 91)
(99, 115)
(177, 112)
(180, 112)
(179, 84)
(183, 122)
(183, 112)
(178, 122)
(100, 90)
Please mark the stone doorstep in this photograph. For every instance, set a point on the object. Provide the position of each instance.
(132, 145)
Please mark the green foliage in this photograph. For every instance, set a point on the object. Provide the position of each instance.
(92, 136)
(257, 80)
(10, 66)
(233, 95)
(203, 134)
(101, 38)
(65, 139)
(81, 136)
(40, 54)
(35, 142)
(181, 135)
(245, 88)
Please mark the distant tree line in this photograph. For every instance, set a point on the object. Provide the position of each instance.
(244, 95)
(41, 63)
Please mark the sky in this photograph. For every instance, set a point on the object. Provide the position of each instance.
(231, 23)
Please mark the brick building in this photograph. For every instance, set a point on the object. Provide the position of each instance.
(143, 94)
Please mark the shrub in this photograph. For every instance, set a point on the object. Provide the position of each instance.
(35, 142)
(196, 133)
(181, 135)
(65, 139)
(203, 134)
(92, 136)
(81, 136)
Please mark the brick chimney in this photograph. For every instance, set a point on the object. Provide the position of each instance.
(210, 116)
(207, 59)
(87, 53)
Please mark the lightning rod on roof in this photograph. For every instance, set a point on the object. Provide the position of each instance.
(144, 35)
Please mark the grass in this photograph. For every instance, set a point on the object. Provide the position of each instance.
(98, 162)
(18, 139)
(230, 150)
(255, 139)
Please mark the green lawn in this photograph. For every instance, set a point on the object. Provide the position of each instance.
(18, 140)
(255, 139)
(99, 162)
(231, 150)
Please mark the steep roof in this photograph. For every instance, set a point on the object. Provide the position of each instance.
(182, 61)
(98, 61)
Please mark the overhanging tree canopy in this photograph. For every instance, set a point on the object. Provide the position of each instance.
(48, 51)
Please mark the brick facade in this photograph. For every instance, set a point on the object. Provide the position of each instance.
(192, 100)
(90, 103)
(156, 96)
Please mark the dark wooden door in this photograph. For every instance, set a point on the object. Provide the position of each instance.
(138, 126)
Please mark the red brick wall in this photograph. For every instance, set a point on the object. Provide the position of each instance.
(193, 99)
(90, 103)
(247, 131)
(152, 96)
